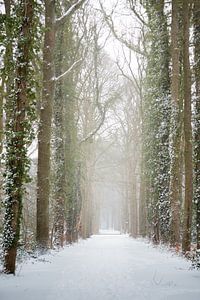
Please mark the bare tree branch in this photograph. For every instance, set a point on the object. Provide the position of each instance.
(137, 14)
(68, 71)
(91, 134)
(60, 21)
(110, 24)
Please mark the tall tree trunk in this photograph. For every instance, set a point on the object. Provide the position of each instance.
(8, 60)
(186, 241)
(142, 206)
(2, 87)
(7, 75)
(59, 184)
(86, 211)
(1, 119)
(196, 17)
(133, 207)
(44, 135)
(70, 134)
(164, 123)
(142, 191)
(175, 131)
(17, 130)
(7, 78)
(156, 108)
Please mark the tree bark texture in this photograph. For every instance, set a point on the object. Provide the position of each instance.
(59, 194)
(44, 135)
(196, 18)
(70, 135)
(175, 130)
(186, 240)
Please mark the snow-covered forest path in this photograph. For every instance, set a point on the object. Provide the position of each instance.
(105, 267)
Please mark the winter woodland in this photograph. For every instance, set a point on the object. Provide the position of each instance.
(100, 134)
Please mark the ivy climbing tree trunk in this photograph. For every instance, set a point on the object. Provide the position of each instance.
(59, 184)
(1, 118)
(17, 133)
(70, 134)
(45, 124)
(7, 74)
(142, 206)
(156, 107)
(175, 131)
(6, 80)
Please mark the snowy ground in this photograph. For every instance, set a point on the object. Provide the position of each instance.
(105, 267)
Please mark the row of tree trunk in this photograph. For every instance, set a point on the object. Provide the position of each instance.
(169, 183)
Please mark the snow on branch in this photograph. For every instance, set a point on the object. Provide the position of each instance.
(132, 5)
(68, 71)
(60, 21)
(110, 24)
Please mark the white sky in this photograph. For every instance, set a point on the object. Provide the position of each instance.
(126, 25)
